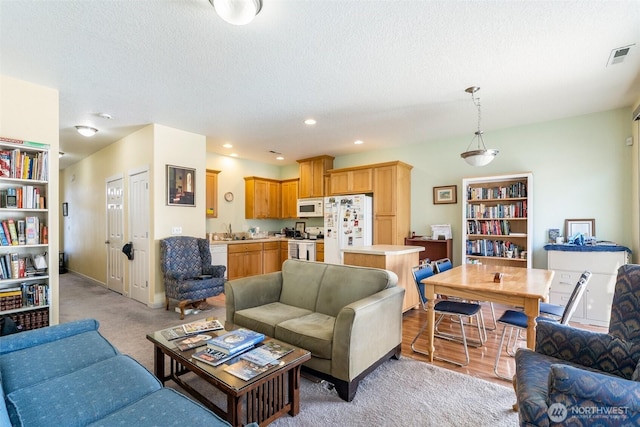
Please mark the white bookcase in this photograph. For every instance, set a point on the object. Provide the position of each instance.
(24, 188)
(496, 229)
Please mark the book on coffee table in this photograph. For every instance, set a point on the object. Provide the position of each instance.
(268, 353)
(212, 357)
(246, 370)
(235, 341)
(192, 341)
(181, 331)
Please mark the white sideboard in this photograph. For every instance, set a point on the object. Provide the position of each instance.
(595, 306)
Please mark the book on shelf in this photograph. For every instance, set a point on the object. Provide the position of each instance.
(192, 341)
(235, 341)
(13, 231)
(246, 370)
(212, 357)
(181, 331)
(32, 232)
(267, 353)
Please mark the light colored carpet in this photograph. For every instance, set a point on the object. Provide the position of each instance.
(401, 393)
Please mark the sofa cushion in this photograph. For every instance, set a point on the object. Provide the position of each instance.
(342, 284)
(53, 359)
(83, 396)
(264, 318)
(300, 283)
(165, 407)
(313, 332)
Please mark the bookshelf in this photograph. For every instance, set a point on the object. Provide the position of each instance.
(496, 228)
(24, 245)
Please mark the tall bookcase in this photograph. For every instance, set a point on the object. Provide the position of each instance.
(496, 225)
(25, 255)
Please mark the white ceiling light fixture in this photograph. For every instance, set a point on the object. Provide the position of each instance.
(358, 142)
(237, 12)
(310, 122)
(86, 130)
(480, 156)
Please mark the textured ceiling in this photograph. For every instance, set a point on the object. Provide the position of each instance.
(386, 72)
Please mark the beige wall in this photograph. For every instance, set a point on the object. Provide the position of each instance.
(30, 112)
(635, 186)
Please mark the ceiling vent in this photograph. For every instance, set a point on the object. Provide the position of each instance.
(618, 55)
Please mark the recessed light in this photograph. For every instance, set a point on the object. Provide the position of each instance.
(60, 154)
(310, 122)
(86, 130)
(358, 142)
(279, 158)
(227, 145)
(105, 116)
(233, 155)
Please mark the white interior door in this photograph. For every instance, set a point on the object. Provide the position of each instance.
(115, 257)
(139, 226)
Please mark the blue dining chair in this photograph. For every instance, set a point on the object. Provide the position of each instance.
(442, 308)
(518, 321)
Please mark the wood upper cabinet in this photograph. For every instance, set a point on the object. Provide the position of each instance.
(262, 198)
(289, 197)
(312, 176)
(351, 181)
(212, 193)
(391, 203)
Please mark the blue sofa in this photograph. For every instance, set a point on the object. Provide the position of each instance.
(584, 378)
(69, 375)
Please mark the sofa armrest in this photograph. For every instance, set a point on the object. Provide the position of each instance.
(35, 337)
(588, 390)
(251, 292)
(214, 270)
(355, 346)
(595, 350)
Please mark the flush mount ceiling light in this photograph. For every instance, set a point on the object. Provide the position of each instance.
(237, 12)
(86, 130)
(480, 156)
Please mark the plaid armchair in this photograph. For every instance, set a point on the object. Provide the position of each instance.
(585, 378)
(188, 274)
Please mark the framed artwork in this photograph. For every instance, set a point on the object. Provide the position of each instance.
(181, 186)
(584, 226)
(65, 209)
(445, 194)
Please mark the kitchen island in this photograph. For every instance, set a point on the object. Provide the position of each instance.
(396, 258)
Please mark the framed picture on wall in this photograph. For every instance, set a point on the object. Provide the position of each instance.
(181, 186)
(445, 194)
(584, 226)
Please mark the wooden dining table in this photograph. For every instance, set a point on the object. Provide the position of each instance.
(520, 287)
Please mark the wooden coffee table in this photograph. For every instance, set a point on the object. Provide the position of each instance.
(266, 397)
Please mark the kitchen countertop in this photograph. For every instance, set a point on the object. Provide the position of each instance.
(384, 250)
(268, 239)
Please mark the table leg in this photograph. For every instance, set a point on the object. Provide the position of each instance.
(158, 364)
(532, 310)
(294, 390)
(431, 318)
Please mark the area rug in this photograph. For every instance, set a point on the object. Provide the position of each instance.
(404, 393)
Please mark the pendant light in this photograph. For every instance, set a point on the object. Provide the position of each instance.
(237, 12)
(481, 156)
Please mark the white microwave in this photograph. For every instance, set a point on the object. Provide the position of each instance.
(308, 208)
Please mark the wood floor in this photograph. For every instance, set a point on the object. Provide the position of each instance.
(481, 359)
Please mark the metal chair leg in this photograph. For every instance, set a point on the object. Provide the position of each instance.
(498, 353)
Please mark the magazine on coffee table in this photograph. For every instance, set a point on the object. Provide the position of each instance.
(192, 328)
(212, 357)
(192, 341)
(268, 353)
(246, 370)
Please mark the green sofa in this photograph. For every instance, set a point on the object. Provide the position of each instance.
(349, 318)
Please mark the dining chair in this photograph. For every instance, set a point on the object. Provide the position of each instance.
(518, 321)
(451, 308)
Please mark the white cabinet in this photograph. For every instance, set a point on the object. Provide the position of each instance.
(595, 306)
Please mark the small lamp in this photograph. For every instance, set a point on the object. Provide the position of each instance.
(481, 156)
(237, 12)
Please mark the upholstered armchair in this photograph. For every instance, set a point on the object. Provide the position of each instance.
(581, 377)
(188, 274)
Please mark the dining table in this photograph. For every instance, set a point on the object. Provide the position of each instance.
(512, 286)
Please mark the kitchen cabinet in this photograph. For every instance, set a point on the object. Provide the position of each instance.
(262, 198)
(312, 176)
(289, 198)
(320, 251)
(271, 257)
(433, 249)
(595, 306)
(284, 251)
(391, 202)
(351, 181)
(212, 193)
(244, 259)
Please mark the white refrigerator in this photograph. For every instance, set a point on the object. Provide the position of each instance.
(348, 222)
